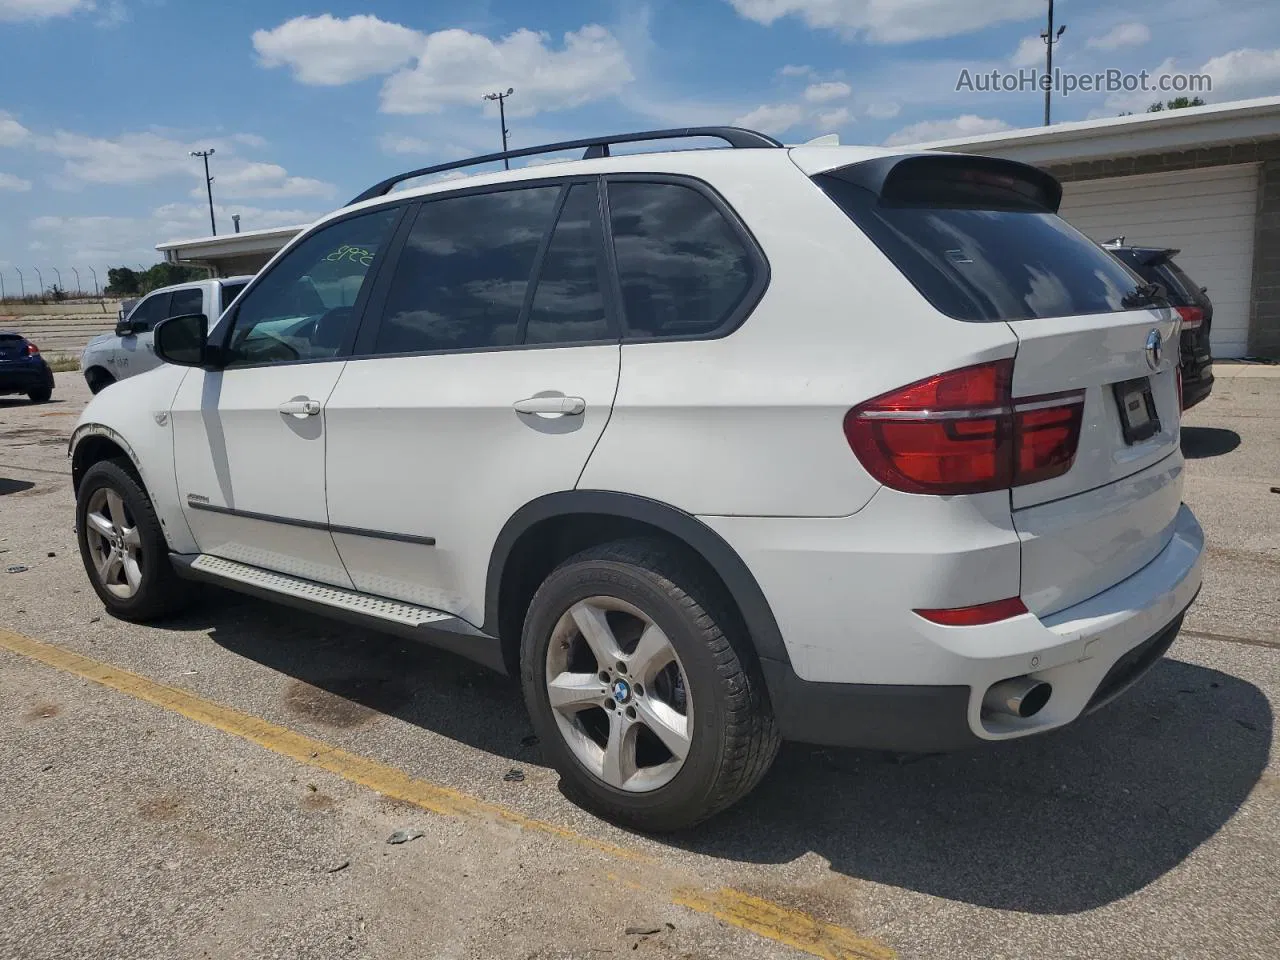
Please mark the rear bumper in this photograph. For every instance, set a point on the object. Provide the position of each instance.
(928, 681)
(1196, 389)
(22, 378)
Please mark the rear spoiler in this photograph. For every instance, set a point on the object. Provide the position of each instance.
(947, 178)
(1155, 258)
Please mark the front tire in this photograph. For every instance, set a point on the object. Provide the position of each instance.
(98, 380)
(123, 547)
(640, 686)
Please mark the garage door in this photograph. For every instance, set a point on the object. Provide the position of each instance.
(1207, 214)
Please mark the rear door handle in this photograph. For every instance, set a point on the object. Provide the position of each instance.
(300, 408)
(553, 406)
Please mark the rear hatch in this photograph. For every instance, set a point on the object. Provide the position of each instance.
(12, 347)
(1096, 356)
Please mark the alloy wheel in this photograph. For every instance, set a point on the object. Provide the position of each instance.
(619, 694)
(115, 546)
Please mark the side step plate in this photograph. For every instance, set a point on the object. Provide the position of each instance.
(378, 613)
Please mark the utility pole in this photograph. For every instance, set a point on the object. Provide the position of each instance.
(208, 183)
(1050, 40)
(502, 119)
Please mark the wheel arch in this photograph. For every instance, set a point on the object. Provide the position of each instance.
(545, 531)
(92, 443)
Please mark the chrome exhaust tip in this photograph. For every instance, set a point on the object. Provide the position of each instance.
(1020, 697)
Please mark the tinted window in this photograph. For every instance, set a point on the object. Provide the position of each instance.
(979, 264)
(185, 302)
(684, 270)
(461, 278)
(568, 304)
(150, 311)
(302, 308)
(229, 292)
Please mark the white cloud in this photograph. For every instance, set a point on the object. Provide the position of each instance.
(773, 119)
(12, 133)
(249, 139)
(796, 70)
(927, 131)
(40, 9)
(884, 111)
(402, 145)
(1122, 35)
(831, 119)
(458, 67)
(892, 21)
(327, 51)
(257, 179)
(1244, 73)
(1030, 53)
(10, 182)
(827, 91)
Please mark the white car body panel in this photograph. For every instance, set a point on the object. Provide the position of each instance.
(477, 463)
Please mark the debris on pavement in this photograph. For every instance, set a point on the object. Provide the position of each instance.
(643, 929)
(404, 836)
(338, 867)
(17, 568)
(514, 775)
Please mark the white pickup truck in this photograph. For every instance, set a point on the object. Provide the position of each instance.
(128, 351)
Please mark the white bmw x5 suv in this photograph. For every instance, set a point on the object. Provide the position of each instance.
(711, 448)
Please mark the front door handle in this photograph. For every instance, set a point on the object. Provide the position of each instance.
(300, 408)
(552, 406)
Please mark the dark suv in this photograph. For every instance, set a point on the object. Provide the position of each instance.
(1156, 265)
(22, 369)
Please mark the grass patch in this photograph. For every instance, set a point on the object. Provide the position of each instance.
(62, 363)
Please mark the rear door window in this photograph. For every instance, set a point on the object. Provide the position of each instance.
(986, 258)
(685, 271)
(568, 303)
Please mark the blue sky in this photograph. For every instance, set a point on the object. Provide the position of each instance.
(306, 103)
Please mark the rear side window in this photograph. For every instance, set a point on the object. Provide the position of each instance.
(461, 279)
(985, 259)
(684, 269)
(229, 292)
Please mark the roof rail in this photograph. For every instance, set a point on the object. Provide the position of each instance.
(737, 137)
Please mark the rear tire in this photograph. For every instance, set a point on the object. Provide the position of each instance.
(710, 691)
(40, 395)
(123, 547)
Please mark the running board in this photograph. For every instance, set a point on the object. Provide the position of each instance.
(434, 627)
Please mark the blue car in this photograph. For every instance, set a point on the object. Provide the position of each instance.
(22, 369)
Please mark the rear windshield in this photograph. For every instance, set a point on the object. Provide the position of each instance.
(1181, 289)
(983, 261)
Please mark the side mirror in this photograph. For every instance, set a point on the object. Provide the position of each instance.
(182, 340)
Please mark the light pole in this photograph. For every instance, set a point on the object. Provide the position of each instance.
(22, 284)
(3, 295)
(58, 273)
(76, 274)
(502, 119)
(1050, 39)
(40, 277)
(208, 183)
(95, 280)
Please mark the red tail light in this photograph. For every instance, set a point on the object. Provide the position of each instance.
(962, 432)
(32, 349)
(1192, 317)
(977, 615)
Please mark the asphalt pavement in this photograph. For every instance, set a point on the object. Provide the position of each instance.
(224, 785)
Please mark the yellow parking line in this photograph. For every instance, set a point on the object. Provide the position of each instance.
(783, 925)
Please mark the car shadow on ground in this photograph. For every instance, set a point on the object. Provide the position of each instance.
(1058, 824)
(8, 486)
(1199, 443)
